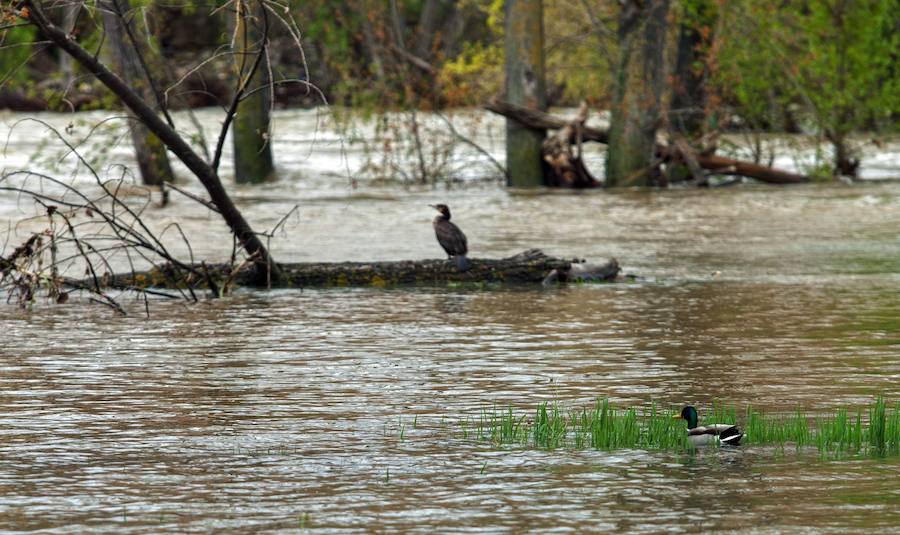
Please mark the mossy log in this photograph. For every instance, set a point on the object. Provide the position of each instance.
(529, 267)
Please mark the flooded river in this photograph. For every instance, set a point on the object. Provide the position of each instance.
(339, 409)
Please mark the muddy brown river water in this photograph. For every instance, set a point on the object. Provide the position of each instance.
(338, 409)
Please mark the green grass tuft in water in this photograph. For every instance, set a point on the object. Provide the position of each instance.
(600, 427)
(605, 427)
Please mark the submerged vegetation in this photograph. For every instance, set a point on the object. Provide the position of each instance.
(603, 426)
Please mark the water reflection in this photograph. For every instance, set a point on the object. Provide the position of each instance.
(259, 409)
(339, 409)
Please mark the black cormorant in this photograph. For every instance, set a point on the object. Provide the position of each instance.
(450, 237)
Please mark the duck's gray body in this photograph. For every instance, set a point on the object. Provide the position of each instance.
(724, 434)
(707, 435)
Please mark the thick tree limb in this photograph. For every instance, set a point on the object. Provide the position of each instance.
(414, 60)
(266, 269)
(528, 267)
(539, 120)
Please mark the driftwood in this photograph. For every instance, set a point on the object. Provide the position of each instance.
(529, 267)
(585, 273)
(721, 165)
(565, 166)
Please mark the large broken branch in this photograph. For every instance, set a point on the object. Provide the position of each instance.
(529, 267)
(539, 120)
(565, 166)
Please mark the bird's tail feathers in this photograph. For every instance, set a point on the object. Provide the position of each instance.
(462, 263)
(731, 436)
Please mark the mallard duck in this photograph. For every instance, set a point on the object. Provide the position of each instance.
(709, 434)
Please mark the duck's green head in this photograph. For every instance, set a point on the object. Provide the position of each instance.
(690, 414)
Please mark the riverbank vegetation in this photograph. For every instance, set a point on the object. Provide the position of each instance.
(874, 430)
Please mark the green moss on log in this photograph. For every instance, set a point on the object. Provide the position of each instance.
(528, 267)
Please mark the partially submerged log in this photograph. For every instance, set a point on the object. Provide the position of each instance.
(529, 267)
(721, 165)
(584, 272)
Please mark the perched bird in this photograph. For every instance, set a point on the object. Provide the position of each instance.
(450, 237)
(709, 434)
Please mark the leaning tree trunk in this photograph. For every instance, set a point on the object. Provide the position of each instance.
(126, 58)
(266, 270)
(524, 87)
(250, 131)
(639, 84)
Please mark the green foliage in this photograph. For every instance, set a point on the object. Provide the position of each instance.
(472, 75)
(580, 55)
(846, 70)
(830, 65)
(15, 53)
(577, 60)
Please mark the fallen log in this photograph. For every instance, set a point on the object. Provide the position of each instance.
(528, 267)
(721, 165)
(540, 120)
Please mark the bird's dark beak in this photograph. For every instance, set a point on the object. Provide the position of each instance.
(433, 206)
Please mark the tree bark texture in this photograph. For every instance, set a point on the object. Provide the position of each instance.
(688, 109)
(152, 158)
(529, 267)
(266, 270)
(524, 69)
(639, 82)
(253, 161)
(709, 162)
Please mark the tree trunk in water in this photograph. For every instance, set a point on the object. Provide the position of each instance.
(636, 98)
(538, 120)
(845, 162)
(524, 87)
(250, 132)
(153, 161)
